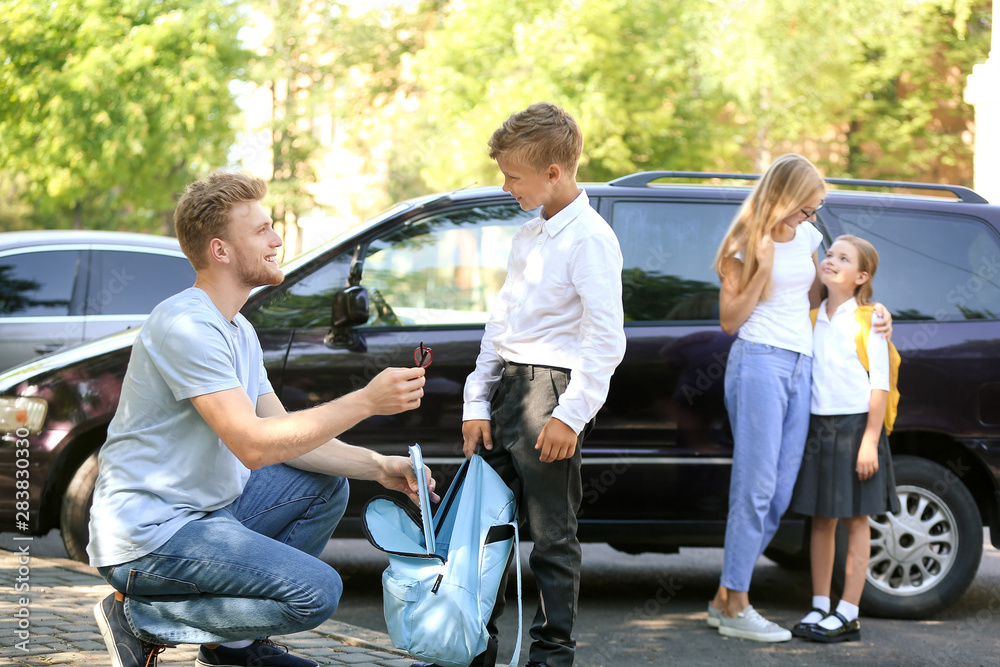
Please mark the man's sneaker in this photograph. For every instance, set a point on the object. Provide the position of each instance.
(125, 648)
(751, 625)
(714, 616)
(261, 652)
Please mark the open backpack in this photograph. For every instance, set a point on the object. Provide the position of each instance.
(444, 573)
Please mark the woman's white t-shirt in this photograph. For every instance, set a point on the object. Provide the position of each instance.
(782, 319)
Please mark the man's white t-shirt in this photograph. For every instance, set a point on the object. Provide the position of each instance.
(782, 320)
(163, 465)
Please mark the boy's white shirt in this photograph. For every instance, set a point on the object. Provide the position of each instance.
(561, 305)
(840, 385)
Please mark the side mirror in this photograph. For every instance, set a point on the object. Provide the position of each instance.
(350, 308)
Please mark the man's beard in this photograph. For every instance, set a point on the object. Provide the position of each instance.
(255, 275)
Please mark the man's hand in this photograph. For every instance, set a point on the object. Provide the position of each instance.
(474, 432)
(395, 390)
(396, 474)
(557, 441)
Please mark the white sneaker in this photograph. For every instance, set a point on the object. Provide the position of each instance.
(751, 625)
(714, 616)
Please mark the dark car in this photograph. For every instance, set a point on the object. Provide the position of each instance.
(657, 465)
(59, 288)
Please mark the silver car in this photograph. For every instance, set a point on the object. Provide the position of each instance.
(59, 288)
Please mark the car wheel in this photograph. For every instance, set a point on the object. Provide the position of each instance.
(74, 517)
(924, 557)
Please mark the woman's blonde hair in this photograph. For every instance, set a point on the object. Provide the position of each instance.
(787, 186)
(867, 262)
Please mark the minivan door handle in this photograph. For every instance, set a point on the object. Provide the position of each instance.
(46, 349)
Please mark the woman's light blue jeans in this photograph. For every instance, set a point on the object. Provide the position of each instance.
(246, 571)
(768, 399)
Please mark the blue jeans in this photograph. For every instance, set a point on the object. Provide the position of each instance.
(246, 571)
(768, 391)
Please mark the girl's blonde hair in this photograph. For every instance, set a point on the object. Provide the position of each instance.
(787, 186)
(867, 262)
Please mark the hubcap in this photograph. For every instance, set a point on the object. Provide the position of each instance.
(912, 551)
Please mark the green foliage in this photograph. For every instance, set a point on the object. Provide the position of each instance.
(110, 106)
(861, 86)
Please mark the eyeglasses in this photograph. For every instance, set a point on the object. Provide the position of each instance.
(422, 355)
(814, 211)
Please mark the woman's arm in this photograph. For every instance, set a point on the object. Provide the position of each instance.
(816, 289)
(736, 304)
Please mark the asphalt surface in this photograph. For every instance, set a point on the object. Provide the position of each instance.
(635, 611)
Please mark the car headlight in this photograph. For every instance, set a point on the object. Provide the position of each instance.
(22, 412)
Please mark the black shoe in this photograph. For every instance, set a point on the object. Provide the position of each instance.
(126, 649)
(801, 629)
(261, 652)
(849, 631)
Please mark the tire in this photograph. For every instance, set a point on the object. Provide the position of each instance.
(74, 516)
(923, 558)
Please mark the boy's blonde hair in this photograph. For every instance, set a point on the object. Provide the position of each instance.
(203, 212)
(867, 262)
(787, 186)
(541, 135)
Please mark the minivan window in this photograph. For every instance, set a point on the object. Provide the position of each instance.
(132, 283)
(444, 269)
(668, 250)
(38, 284)
(304, 302)
(932, 266)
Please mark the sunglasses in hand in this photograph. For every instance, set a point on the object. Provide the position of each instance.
(422, 355)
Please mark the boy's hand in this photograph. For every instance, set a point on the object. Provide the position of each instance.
(474, 432)
(867, 459)
(557, 441)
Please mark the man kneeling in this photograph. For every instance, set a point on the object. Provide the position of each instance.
(212, 503)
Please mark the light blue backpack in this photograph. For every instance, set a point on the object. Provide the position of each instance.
(443, 574)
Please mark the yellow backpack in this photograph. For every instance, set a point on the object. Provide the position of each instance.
(863, 316)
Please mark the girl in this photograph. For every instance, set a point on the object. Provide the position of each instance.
(846, 472)
(768, 267)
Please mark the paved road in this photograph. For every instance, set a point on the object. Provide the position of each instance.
(649, 609)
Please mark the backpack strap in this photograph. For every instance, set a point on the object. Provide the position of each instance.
(520, 614)
(813, 314)
(863, 316)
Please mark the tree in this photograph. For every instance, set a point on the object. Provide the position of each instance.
(627, 70)
(110, 106)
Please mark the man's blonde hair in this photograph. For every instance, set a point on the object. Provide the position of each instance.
(203, 212)
(786, 187)
(541, 135)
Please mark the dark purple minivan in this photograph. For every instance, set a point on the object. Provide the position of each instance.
(656, 467)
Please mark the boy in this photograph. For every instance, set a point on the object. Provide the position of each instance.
(552, 343)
